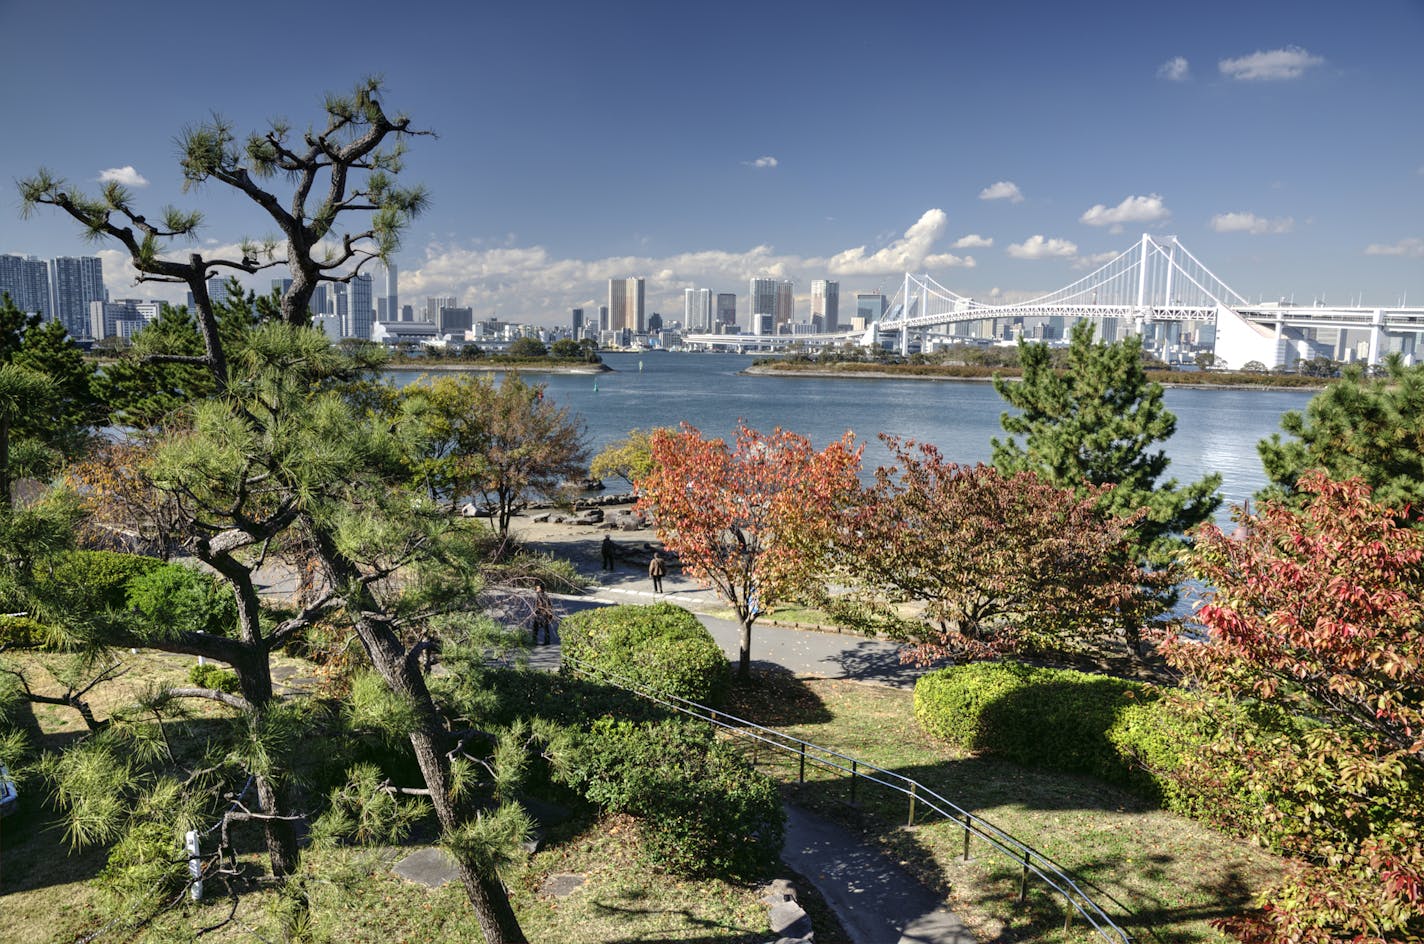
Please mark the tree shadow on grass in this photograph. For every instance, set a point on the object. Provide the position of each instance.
(774, 697)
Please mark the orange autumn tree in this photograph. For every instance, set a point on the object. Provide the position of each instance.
(745, 519)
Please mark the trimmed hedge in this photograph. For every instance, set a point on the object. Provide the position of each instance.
(703, 811)
(1054, 718)
(21, 632)
(96, 580)
(660, 647)
(215, 677)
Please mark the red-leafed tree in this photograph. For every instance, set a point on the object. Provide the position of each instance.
(968, 561)
(1319, 611)
(745, 520)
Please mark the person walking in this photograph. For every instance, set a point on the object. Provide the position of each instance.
(542, 622)
(607, 552)
(656, 569)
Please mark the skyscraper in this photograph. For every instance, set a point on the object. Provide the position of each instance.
(726, 309)
(359, 301)
(392, 291)
(785, 303)
(576, 321)
(434, 303)
(826, 303)
(763, 306)
(697, 309)
(27, 280)
(869, 305)
(217, 291)
(625, 305)
(77, 283)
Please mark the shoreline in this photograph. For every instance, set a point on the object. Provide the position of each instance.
(823, 373)
(530, 368)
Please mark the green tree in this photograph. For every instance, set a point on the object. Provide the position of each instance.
(21, 391)
(14, 324)
(282, 441)
(629, 458)
(531, 348)
(160, 373)
(497, 441)
(1095, 423)
(49, 350)
(1359, 426)
(566, 349)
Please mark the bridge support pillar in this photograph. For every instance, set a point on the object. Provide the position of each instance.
(1376, 336)
(905, 341)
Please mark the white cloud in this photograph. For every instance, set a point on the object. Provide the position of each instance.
(1270, 65)
(1176, 69)
(766, 161)
(1411, 246)
(909, 252)
(1037, 247)
(1003, 190)
(125, 175)
(973, 241)
(1148, 209)
(1251, 223)
(1094, 260)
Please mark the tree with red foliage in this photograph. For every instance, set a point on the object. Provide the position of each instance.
(745, 520)
(1319, 612)
(972, 562)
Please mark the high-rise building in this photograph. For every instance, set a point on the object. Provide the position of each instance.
(120, 318)
(603, 318)
(454, 321)
(785, 303)
(407, 313)
(26, 279)
(726, 309)
(762, 299)
(869, 305)
(625, 304)
(320, 304)
(78, 282)
(359, 305)
(826, 303)
(576, 321)
(392, 291)
(697, 309)
(433, 304)
(217, 291)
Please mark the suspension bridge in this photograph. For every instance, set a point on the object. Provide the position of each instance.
(1156, 289)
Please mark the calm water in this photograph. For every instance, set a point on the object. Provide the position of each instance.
(1217, 430)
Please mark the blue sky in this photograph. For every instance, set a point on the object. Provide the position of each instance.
(1003, 147)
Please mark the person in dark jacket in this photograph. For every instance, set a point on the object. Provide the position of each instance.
(607, 552)
(656, 569)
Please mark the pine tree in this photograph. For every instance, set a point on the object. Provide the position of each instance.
(1096, 423)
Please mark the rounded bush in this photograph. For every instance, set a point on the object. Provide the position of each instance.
(216, 677)
(1054, 718)
(96, 580)
(21, 632)
(702, 809)
(660, 647)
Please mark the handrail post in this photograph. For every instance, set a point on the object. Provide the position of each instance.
(801, 777)
(913, 785)
(966, 837)
(1023, 880)
(1068, 915)
(853, 779)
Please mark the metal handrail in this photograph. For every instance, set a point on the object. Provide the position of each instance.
(1029, 859)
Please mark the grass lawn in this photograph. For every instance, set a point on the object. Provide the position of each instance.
(1160, 876)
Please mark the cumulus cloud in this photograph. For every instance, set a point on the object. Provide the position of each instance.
(1251, 223)
(910, 251)
(1176, 69)
(973, 241)
(1270, 65)
(1148, 209)
(125, 175)
(1411, 246)
(765, 161)
(1094, 260)
(1039, 247)
(1003, 190)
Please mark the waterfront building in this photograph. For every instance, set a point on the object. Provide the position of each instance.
(433, 304)
(392, 291)
(697, 309)
(625, 304)
(26, 279)
(359, 305)
(120, 318)
(576, 321)
(869, 305)
(785, 304)
(78, 282)
(454, 321)
(825, 303)
(603, 318)
(762, 298)
(726, 311)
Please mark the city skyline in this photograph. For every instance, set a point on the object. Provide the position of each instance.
(1277, 141)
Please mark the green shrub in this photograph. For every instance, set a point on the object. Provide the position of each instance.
(170, 599)
(702, 809)
(660, 647)
(212, 676)
(22, 632)
(93, 580)
(1053, 718)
